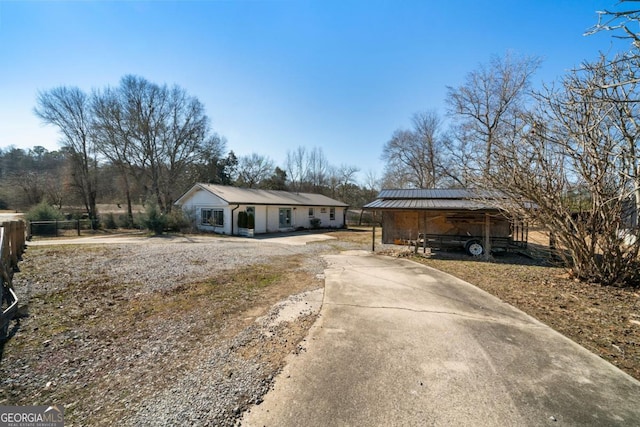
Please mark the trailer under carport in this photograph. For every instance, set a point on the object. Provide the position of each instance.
(441, 219)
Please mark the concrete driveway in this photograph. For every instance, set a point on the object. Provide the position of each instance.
(402, 344)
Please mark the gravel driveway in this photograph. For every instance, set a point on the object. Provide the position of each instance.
(104, 339)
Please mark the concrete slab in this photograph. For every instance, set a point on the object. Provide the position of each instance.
(295, 239)
(398, 343)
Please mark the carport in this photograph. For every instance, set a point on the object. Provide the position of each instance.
(448, 218)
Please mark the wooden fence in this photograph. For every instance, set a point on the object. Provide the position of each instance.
(12, 245)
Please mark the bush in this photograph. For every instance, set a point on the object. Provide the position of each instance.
(242, 219)
(153, 219)
(125, 222)
(251, 221)
(43, 212)
(177, 220)
(109, 221)
(314, 223)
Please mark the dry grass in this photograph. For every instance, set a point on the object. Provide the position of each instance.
(90, 345)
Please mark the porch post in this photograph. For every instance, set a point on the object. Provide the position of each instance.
(487, 235)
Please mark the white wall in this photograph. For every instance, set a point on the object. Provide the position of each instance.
(205, 200)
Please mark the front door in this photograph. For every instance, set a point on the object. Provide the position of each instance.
(285, 218)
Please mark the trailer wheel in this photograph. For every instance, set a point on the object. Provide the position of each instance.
(474, 248)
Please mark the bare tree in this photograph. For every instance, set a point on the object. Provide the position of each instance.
(317, 169)
(623, 23)
(413, 157)
(371, 181)
(153, 133)
(307, 170)
(253, 169)
(341, 180)
(575, 169)
(69, 109)
(296, 168)
(114, 138)
(487, 106)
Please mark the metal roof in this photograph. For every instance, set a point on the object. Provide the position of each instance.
(252, 196)
(437, 193)
(434, 199)
(429, 204)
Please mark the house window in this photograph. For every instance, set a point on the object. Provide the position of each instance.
(311, 215)
(332, 214)
(218, 218)
(285, 217)
(323, 210)
(213, 217)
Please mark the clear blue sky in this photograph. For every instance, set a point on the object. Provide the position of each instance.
(274, 75)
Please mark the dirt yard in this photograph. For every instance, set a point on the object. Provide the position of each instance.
(158, 333)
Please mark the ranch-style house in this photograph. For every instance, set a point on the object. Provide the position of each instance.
(216, 209)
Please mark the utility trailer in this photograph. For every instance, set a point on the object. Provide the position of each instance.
(473, 245)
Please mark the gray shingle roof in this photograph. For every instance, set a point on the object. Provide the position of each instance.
(244, 196)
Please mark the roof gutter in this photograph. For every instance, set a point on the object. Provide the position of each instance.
(232, 211)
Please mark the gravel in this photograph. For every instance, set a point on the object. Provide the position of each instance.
(178, 370)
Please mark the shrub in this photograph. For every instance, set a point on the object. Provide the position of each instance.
(125, 222)
(109, 221)
(153, 219)
(242, 219)
(177, 220)
(314, 223)
(44, 212)
(251, 221)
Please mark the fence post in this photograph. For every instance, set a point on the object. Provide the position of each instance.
(78, 226)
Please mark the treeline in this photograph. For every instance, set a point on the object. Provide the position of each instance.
(31, 176)
(144, 142)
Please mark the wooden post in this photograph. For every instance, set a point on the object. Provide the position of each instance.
(373, 239)
(487, 236)
(424, 235)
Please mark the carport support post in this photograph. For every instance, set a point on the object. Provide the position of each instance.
(373, 239)
(487, 236)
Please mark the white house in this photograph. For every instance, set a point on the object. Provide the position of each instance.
(216, 209)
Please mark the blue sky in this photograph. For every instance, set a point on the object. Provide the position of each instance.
(341, 75)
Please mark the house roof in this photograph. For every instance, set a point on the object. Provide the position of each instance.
(434, 199)
(252, 196)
